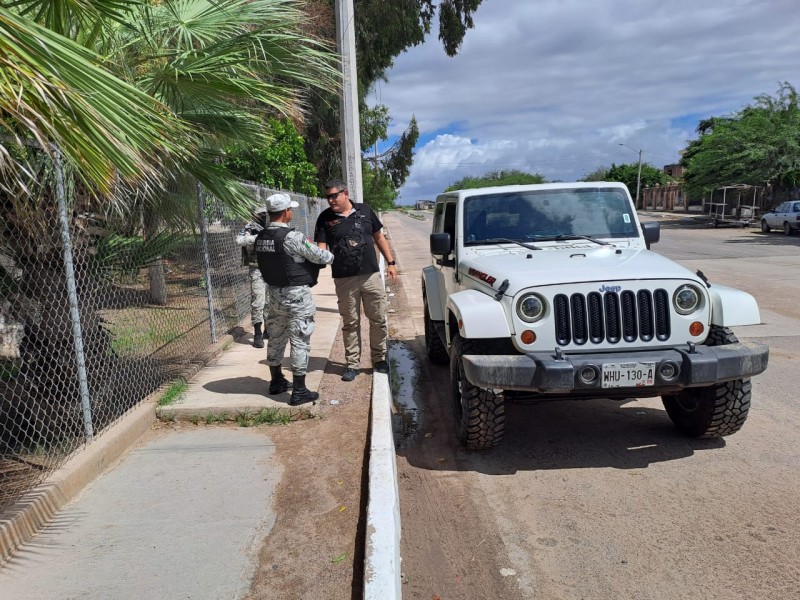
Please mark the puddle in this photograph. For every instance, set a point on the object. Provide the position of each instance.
(403, 381)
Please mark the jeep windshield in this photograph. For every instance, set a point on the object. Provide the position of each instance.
(553, 214)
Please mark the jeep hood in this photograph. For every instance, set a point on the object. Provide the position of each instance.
(568, 265)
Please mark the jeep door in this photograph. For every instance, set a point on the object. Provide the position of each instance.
(444, 221)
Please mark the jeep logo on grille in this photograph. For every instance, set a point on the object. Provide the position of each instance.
(610, 288)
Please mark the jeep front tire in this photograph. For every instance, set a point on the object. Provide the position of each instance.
(478, 414)
(716, 410)
(434, 346)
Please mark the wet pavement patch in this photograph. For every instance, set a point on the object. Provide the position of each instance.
(403, 379)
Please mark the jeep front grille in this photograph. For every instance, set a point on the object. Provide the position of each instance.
(611, 317)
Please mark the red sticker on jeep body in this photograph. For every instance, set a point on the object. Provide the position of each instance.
(482, 276)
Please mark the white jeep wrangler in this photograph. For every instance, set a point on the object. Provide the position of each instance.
(551, 291)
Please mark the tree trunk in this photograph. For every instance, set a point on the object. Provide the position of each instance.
(158, 283)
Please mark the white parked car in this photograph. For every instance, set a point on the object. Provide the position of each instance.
(541, 292)
(785, 217)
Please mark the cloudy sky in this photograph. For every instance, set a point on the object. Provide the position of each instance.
(555, 86)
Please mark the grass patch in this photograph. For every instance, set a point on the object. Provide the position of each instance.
(211, 418)
(243, 420)
(174, 392)
(140, 331)
(227, 345)
(272, 416)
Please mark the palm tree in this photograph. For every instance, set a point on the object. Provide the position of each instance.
(140, 97)
(221, 66)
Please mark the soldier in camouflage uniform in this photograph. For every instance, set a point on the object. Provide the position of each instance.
(258, 289)
(290, 264)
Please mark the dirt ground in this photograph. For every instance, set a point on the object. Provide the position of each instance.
(316, 547)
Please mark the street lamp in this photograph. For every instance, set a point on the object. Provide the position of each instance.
(639, 175)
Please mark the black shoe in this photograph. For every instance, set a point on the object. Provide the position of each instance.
(279, 383)
(300, 393)
(349, 374)
(302, 397)
(381, 366)
(278, 386)
(258, 340)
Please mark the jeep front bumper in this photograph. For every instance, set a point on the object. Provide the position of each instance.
(556, 373)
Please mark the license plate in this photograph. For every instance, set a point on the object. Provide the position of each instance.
(634, 374)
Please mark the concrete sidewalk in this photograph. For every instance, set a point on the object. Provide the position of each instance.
(238, 380)
(144, 513)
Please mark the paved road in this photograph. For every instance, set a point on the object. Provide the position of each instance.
(601, 499)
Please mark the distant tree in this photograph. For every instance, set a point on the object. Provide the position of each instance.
(598, 174)
(379, 192)
(395, 162)
(281, 163)
(628, 173)
(758, 145)
(511, 177)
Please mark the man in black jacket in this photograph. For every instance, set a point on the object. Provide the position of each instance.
(351, 232)
(289, 264)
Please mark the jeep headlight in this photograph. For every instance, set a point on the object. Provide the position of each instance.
(687, 299)
(531, 307)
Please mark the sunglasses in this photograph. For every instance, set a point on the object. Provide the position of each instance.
(333, 195)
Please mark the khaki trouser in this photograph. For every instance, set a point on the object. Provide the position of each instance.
(352, 292)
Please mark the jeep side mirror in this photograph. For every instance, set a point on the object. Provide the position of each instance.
(652, 233)
(440, 244)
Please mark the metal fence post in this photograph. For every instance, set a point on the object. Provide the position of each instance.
(201, 208)
(72, 292)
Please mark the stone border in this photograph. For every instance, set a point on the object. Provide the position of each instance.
(382, 546)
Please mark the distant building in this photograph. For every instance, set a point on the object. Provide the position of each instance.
(674, 171)
(424, 205)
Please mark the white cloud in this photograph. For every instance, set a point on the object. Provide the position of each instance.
(554, 86)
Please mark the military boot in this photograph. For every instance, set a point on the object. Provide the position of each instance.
(258, 337)
(278, 383)
(300, 393)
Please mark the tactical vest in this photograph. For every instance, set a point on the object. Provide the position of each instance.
(277, 267)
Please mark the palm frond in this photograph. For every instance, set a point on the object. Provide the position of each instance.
(53, 91)
(232, 51)
(73, 18)
(124, 256)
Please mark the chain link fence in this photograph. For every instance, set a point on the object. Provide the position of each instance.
(90, 326)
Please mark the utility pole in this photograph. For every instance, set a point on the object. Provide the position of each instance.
(639, 179)
(348, 100)
(638, 175)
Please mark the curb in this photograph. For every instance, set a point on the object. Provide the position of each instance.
(39, 506)
(382, 547)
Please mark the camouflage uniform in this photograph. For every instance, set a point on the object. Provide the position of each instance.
(291, 308)
(258, 289)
